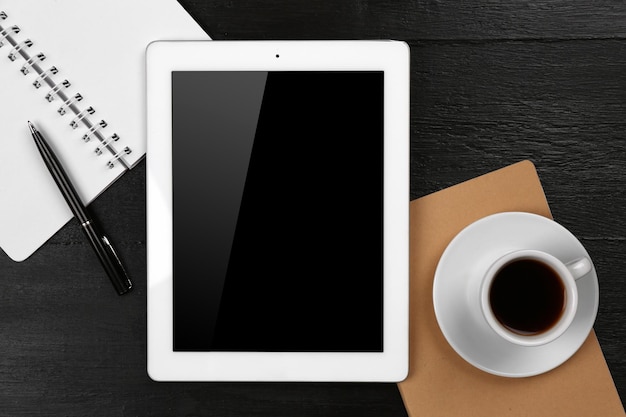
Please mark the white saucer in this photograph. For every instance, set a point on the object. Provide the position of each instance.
(469, 334)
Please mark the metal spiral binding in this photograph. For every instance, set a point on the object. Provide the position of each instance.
(29, 63)
(63, 109)
(93, 129)
(15, 52)
(118, 157)
(113, 138)
(74, 123)
(57, 90)
(4, 33)
(44, 75)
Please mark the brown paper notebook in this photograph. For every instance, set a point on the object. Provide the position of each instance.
(440, 382)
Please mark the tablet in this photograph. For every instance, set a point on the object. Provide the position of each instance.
(277, 198)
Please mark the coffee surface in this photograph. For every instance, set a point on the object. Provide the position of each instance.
(527, 297)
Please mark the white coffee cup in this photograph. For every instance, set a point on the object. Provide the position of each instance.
(561, 308)
(466, 273)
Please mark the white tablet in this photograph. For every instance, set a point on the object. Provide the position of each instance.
(278, 196)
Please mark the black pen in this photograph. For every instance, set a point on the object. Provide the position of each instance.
(99, 242)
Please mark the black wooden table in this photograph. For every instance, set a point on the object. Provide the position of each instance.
(492, 83)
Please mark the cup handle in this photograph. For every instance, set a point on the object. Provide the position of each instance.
(579, 268)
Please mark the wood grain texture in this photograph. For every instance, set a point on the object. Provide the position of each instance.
(492, 83)
(420, 19)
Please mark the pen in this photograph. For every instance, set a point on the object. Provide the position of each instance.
(100, 243)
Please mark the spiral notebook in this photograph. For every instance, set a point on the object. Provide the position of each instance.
(76, 69)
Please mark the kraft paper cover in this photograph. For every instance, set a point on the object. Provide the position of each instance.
(440, 382)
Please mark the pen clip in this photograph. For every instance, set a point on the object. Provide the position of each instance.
(108, 257)
(124, 284)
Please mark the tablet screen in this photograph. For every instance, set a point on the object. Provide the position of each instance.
(277, 211)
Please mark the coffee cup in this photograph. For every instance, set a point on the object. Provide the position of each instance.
(529, 297)
(515, 294)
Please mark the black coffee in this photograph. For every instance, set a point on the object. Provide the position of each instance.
(527, 297)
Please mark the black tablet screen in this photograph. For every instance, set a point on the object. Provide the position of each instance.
(278, 211)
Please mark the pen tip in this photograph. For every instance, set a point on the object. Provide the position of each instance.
(32, 128)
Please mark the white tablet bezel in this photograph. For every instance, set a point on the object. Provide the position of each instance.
(392, 57)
